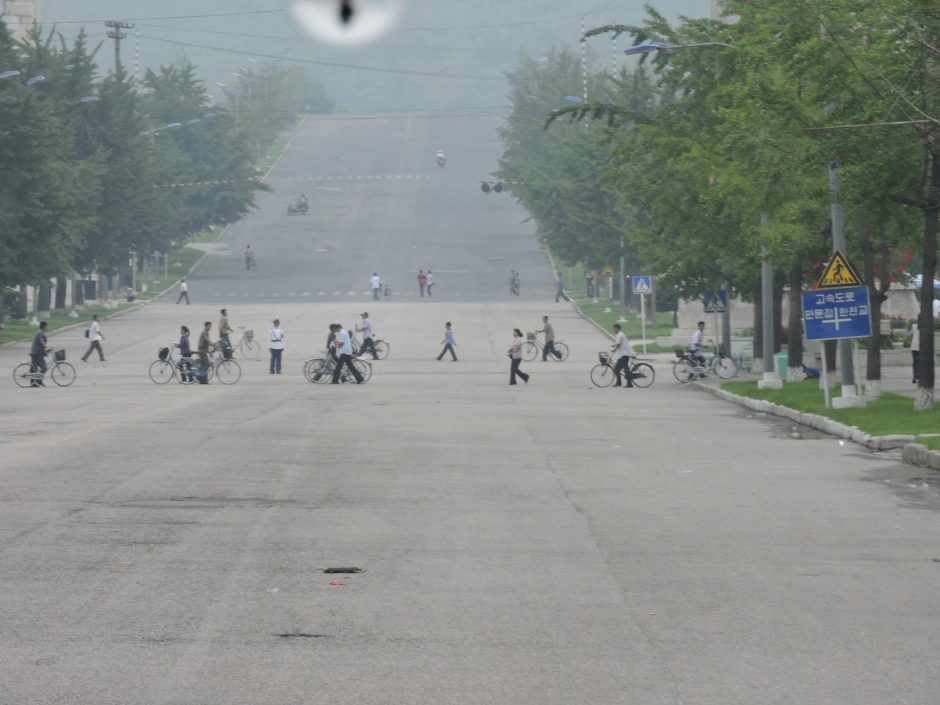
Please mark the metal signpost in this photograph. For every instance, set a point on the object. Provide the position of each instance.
(643, 285)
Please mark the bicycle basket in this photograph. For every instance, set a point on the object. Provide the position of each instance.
(680, 353)
(603, 357)
(59, 355)
(530, 336)
(163, 353)
(249, 335)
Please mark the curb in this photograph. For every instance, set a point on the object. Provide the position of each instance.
(582, 314)
(911, 452)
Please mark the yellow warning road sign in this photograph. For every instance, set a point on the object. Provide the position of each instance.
(607, 271)
(839, 273)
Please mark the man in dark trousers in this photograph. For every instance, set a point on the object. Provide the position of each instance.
(343, 344)
(38, 352)
(205, 342)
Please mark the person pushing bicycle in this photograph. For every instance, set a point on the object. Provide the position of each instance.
(698, 344)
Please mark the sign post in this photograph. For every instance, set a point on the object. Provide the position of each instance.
(643, 285)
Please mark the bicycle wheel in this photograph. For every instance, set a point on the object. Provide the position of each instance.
(228, 372)
(683, 371)
(725, 367)
(62, 373)
(250, 348)
(162, 371)
(21, 375)
(562, 351)
(185, 371)
(530, 351)
(382, 349)
(318, 370)
(364, 368)
(643, 375)
(602, 375)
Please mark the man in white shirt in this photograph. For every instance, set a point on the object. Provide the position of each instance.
(368, 337)
(375, 283)
(622, 352)
(184, 291)
(95, 338)
(276, 346)
(698, 343)
(343, 344)
(430, 282)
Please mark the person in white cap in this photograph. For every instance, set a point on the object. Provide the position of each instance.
(276, 346)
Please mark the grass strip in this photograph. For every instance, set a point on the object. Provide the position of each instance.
(891, 414)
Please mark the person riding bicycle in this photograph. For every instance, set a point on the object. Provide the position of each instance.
(698, 344)
(622, 352)
(37, 353)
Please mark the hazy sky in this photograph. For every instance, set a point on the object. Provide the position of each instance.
(477, 38)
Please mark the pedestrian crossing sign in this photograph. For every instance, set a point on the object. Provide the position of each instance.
(838, 274)
(642, 284)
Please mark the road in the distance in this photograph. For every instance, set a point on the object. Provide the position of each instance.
(379, 202)
(544, 544)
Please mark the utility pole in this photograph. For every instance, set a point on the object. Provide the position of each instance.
(117, 35)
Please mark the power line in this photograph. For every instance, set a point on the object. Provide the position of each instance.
(169, 17)
(526, 22)
(332, 64)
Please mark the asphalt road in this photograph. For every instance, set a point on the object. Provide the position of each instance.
(547, 544)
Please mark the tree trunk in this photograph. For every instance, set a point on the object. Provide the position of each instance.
(780, 281)
(873, 372)
(831, 350)
(758, 335)
(61, 290)
(795, 324)
(44, 300)
(924, 399)
(78, 294)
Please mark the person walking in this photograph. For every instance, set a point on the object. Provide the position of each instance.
(343, 344)
(549, 347)
(368, 337)
(375, 283)
(276, 346)
(205, 342)
(623, 352)
(37, 354)
(515, 355)
(516, 285)
(422, 281)
(560, 289)
(249, 257)
(915, 352)
(449, 342)
(184, 291)
(430, 279)
(224, 329)
(184, 365)
(94, 339)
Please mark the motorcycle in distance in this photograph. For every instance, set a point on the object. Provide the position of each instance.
(441, 159)
(297, 206)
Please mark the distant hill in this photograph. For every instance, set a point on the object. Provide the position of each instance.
(470, 37)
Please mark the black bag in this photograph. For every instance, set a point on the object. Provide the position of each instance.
(59, 355)
(164, 353)
(86, 333)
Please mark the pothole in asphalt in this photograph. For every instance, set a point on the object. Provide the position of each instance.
(780, 427)
(921, 491)
(204, 502)
(301, 635)
(343, 571)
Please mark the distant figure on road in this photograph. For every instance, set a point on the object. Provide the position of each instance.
(249, 257)
(94, 338)
(184, 291)
(430, 278)
(276, 346)
(375, 283)
(549, 347)
(560, 289)
(515, 282)
(368, 337)
(422, 281)
(449, 342)
(622, 352)
(515, 356)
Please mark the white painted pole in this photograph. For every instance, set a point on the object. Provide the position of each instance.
(643, 319)
(825, 374)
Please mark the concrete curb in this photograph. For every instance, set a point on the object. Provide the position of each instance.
(913, 453)
(574, 304)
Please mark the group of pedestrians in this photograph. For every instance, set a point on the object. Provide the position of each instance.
(425, 282)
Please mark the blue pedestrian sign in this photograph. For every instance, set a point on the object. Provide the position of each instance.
(716, 304)
(643, 284)
(830, 314)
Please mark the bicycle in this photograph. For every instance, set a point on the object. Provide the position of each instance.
(603, 375)
(382, 348)
(222, 366)
(686, 367)
(247, 346)
(533, 347)
(60, 372)
(319, 370)
(186, 369)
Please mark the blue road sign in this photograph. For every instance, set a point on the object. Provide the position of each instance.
(830, 314)
(643, 284)
(716, 304)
